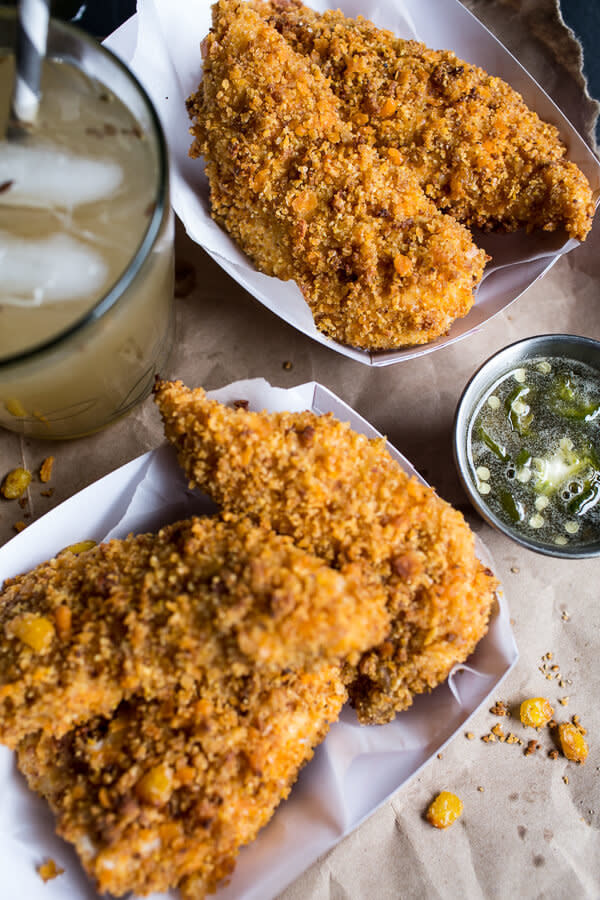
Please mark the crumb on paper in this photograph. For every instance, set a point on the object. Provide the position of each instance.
(572, 742)
(14, 408)
(444, 810)
(500, 708)
(79, 547)
(15, 483)
(240, 404)
(488, 738)
(470, 736)
(532, 747)
(553, 754)
(497, 730)
(46, 469)
(33, 630)
(20, 525)
(535, 712)
(288, 365)
(565, 779)
(49, 870)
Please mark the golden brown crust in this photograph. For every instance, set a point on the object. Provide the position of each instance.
(475, 147)
(307, 200)
(142, 615)
(165, 793)
(342, 496)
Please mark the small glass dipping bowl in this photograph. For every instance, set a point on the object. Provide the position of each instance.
(493, 373)
(95, 367)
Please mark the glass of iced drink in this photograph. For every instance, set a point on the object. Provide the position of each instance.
(86, 243)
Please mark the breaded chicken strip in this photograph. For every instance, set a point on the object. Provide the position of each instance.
(82, 632)
(343, 497)
(476, 148)
(165, 793)
(307, 200)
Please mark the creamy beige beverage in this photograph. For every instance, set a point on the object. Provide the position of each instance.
(86, 251)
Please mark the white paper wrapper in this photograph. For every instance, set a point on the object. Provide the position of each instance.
(355, 769)
(162, 46)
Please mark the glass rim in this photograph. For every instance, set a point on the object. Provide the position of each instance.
(110, 298)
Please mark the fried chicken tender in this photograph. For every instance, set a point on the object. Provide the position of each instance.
(343, 497)
(476, 148)
(307, 200)
(82, 632)
(165, 793)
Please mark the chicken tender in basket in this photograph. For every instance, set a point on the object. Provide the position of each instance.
(164, 793)
(143, 615)
(343, 497)
(308, 200)
(475, 147)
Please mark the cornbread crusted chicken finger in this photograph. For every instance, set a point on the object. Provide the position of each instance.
(306, 199)
(475, 147)
(82, 632)
(344, 497)
(164, 793)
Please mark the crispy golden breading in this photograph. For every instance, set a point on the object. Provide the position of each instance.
(141, 615)
(307, 200)
(343, 497)
(476, 148)
(165, 793)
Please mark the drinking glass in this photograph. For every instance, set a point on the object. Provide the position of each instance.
(72, 379)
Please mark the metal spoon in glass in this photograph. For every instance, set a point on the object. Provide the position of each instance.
(32, 35)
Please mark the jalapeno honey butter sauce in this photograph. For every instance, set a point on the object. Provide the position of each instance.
(533, 450)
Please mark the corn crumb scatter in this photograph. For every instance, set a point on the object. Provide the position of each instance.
(536, 712)
(572, 742)
(444, 810)
(46, 469)
(48, 870)
(15, 483)
(79, 547)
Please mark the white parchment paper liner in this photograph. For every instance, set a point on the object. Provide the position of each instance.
(352, 773)
(162, 46)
